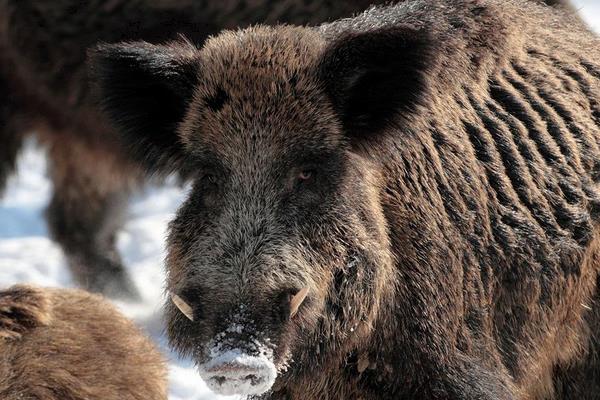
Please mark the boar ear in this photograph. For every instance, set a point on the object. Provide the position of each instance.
(377, 77)
(145, 90)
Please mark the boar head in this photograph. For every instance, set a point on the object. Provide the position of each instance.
(279, 259)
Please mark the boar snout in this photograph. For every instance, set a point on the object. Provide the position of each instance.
(240, 359)
(237, 372)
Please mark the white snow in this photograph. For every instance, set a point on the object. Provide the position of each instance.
(27, 255)
(590, 10)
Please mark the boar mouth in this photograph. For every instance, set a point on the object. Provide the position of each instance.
(237, 372)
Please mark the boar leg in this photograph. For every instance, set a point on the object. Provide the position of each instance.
(10, 136)
(91, 186)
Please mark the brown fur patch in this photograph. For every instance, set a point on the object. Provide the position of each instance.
(22, 308)
(73, 346)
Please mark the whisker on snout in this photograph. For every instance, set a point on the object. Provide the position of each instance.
(297, 301)
(184, 307)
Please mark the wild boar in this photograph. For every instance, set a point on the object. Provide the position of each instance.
(400, 205)
(60, 344)
(43, 90)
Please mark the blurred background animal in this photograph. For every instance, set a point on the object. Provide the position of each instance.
(61, 344)
(44, 91)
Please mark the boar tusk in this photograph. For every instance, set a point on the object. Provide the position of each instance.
(184, 307)
(297, 301)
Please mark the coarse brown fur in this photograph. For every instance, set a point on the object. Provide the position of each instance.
(59, 344)
(428, 170)
(43, 90)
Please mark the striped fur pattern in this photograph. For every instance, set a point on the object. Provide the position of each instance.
(505, 150)
(513, 159)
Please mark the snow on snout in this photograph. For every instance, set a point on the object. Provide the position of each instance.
(236, 372)
(237, 361)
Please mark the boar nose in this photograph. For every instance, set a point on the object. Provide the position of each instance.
(236, 372)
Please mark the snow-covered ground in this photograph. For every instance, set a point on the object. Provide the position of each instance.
(27, 255)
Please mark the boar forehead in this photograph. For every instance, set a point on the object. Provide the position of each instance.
(258, 92)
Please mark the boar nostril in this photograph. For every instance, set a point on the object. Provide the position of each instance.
(220, 379)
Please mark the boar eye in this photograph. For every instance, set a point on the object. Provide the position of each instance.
(210, 181)
(305, 175)
(210, 178)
